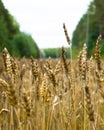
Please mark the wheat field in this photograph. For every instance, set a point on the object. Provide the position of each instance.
(52, 94)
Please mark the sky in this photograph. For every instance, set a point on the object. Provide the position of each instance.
(43, 19)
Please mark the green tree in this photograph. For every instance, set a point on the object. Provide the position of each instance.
(11, 24)
(100, 15)
(55, 52)
(17, 42)
(25, 46)
(3, 33)
(8, 27)
(90, 26)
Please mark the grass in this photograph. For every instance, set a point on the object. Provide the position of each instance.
(52, 94)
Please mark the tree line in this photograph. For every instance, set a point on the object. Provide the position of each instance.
(18, 43)
(90, 26)
(22, 44)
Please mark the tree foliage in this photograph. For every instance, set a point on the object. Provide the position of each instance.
(25, 45)
(17, 42)
(90, 26)
(55, 52)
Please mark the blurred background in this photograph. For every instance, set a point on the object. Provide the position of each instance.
(35, 27)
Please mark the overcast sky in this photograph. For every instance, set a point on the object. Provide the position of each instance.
(44, 19)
